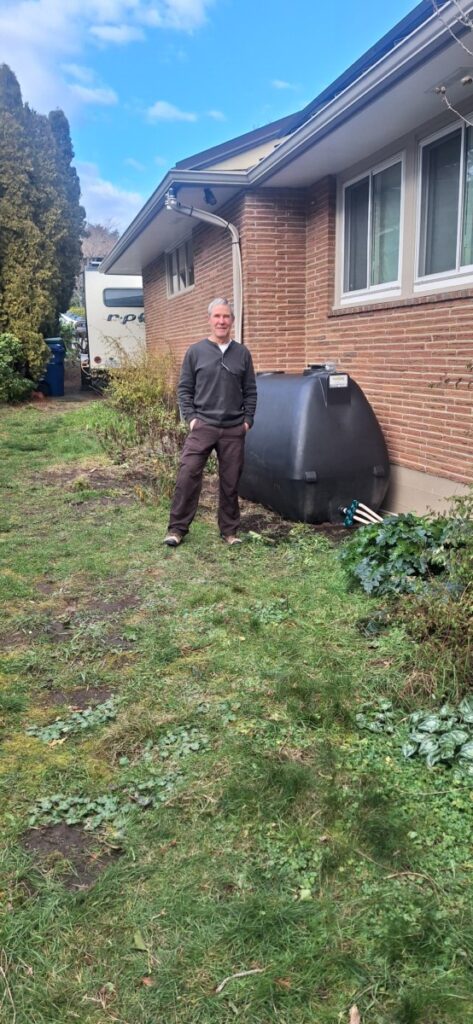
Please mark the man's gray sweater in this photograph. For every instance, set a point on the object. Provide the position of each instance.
(218, 389)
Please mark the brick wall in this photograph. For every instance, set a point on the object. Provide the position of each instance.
(274, 260)
(174, 323)
(410, 358)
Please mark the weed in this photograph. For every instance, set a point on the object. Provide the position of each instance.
(76, 722)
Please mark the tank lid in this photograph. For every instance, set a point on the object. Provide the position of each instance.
(269, 373)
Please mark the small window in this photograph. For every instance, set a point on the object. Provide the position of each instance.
(126, 298)
(372, 230)
(180, 269)
(446, 220)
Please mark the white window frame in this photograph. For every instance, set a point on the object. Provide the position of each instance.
(387, 290)
(461, 275)
(185, 246)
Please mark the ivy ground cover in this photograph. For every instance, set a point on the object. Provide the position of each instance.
(197, 827)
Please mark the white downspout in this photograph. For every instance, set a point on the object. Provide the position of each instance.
(171, 203)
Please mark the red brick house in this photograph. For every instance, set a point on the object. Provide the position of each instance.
(355, 223)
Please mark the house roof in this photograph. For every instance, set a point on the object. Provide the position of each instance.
(386, 93)
(287, 125)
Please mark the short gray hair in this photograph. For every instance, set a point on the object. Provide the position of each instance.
(220, 302)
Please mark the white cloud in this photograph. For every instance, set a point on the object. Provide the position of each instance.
(79, 72)
(279, 83)
(102, 96)
(161, 161)
(216, 115)
(105, 202)
(43, 39)
(120, 34)
(184, 15)
(135, 164)
(164, 111)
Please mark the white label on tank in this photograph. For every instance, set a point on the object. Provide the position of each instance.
(338, 380)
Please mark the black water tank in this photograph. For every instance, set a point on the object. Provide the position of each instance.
(315, 446)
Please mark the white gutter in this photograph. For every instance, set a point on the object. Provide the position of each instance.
(357, 92)
(172, 204)
(321, 123)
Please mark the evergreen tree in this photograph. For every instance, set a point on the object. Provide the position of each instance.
(41, 220)
(68, 245)
(24, 304)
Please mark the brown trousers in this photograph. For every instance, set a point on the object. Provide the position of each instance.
(229, 444)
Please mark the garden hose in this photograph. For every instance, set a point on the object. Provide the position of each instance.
(356, 512)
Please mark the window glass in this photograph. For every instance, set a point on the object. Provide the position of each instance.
(128, 298)
(190, 265)
(440, 196)
(356, 235)
(385, 225)
(467, 234)
(180, 268)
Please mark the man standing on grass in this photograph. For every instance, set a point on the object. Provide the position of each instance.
(217, 398)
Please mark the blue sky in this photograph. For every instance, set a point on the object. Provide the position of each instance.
(145, 83)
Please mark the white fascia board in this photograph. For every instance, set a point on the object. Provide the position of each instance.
(406, 52)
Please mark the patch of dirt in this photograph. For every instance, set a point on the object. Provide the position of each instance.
(16, 638)
(258, 519)
(100, 607)
(84, 606)
(56, 631)
(75, 854)
(337, 534)
(266, 523)
(47, 587)
(83, 697)
(272, 526)
(118, 642)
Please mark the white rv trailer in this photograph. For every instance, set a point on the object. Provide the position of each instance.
(115, 321)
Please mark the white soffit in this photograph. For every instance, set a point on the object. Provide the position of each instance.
(167, 229)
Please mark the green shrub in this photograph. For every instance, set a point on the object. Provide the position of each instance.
(13, 385)
(394, 556)
(428, 562)
(141, 424)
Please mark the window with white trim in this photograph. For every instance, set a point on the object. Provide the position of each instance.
(446, 206)
(372, 230)
(180, 268)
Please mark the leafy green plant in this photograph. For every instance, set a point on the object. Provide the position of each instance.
(13, 384)
(91, 813)
(271, 612)
(178, 742)
(154, 790)
(377, 718)
(76, 722)
(395, 556)
(444, 737)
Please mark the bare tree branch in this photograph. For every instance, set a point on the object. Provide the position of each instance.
(463, 18)
(441, 90)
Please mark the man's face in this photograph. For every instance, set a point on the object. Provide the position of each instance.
(220, 321)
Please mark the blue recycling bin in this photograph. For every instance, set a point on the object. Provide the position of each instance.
(52, 383)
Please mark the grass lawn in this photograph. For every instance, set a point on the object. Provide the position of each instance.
(184, 792)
